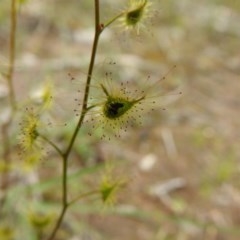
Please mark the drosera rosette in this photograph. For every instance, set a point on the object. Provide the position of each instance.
(114, 111)
(40, 219)
(134, 18)
(6, 231)
(111, 184)
(136, 15)
(29, 129)
(30, 142)
(122, 105)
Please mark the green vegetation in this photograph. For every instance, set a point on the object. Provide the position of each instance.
(85, 148)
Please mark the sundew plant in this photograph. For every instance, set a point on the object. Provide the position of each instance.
(117, 107)
(120, 105)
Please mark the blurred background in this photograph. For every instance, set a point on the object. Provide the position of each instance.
(183, 163)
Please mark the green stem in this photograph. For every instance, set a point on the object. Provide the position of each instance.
(65, 155)
(59, 221)
(52, 144)
(84, 195)
(12, 47)
(9, 78)
(98, 30)
(113, 19)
